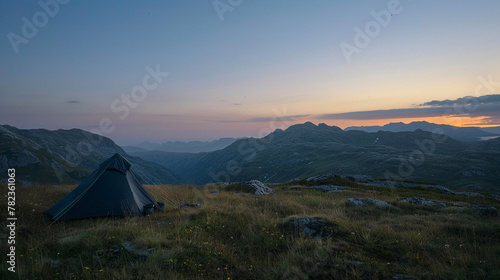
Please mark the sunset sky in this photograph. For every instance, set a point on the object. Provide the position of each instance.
(240, 68)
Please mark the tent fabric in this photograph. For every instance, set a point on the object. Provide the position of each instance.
(111, 190)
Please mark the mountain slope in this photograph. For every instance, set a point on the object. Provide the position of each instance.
(66, 156)
(467, 134)
(307, 150)
(184, 147)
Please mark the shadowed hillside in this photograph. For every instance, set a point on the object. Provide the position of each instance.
(66, 156)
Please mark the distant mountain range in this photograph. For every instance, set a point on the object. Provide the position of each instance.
(467, 134)
(182, 147)
(66, 156)
(305, 150)
(302, 150)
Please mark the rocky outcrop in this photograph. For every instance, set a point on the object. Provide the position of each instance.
(438, 188)
(470, 194)
(391, 184)
(259, 187)
(423, 201)
(358, 178)
(363, 202)
(320, 178)
(329, 188)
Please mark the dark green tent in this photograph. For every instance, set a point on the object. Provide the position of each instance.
(111, 190)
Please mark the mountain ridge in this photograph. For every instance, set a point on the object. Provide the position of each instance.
(183, 147)
(305, 150)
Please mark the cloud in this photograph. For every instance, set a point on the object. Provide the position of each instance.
(483, 106)
(464, 101)
(73, 102)
(385, 114)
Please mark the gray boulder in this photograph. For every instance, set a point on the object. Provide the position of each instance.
(366, 202)
(259, 187)
(422, 201)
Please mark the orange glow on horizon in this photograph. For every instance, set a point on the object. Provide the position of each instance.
(453, 121)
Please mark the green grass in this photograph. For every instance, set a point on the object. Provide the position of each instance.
(236, 235)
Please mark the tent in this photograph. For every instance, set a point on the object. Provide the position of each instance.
(111, 190)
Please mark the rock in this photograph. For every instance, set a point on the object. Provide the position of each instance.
(190, 205)
(391, 184)
(317, 228)
(130, 247)
(471, 194)
(328, 188)
(55, 264)
(297, 188)
(366, 202)
(484, 210)
(439, 188)
(320, 178)
(423, 201)
(126, 247)
(260, 188)
(358, 178)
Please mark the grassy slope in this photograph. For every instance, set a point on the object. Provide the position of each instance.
(238, 236)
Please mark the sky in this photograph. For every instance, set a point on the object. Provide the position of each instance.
(161, 71)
